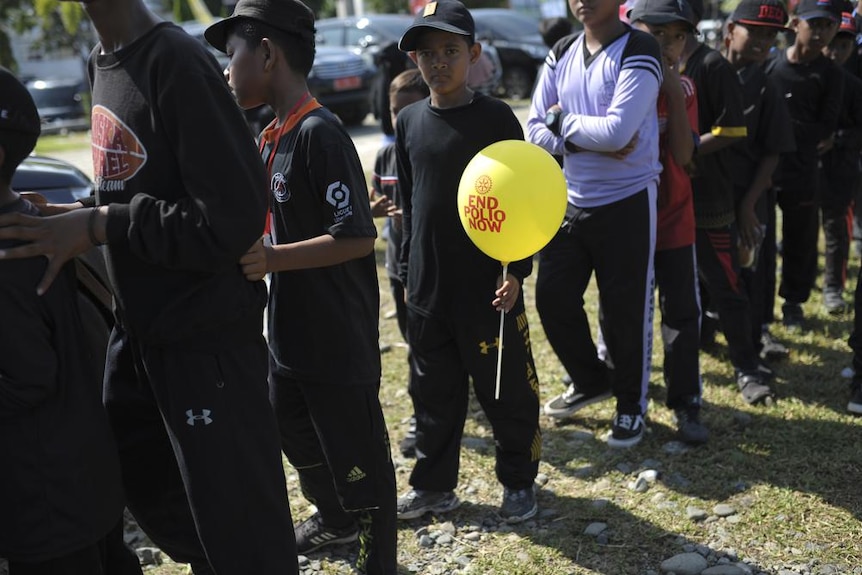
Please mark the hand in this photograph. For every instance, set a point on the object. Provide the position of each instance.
(397, 218)
(47, 209)
(825, 145)
(254, 262)
(625, 150)
(671, 85)
(749, 226)
(382, 207)
(507, 293)
(59, 238)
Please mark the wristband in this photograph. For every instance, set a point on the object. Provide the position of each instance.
(91, 227)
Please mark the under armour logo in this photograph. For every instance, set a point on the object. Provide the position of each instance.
(204, 416)
(485, 347)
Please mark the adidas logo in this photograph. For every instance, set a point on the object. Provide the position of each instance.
(355, 474)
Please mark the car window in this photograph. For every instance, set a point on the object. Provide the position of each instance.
(356, 37)
(331, 36)
(507, 25)
(55, 96)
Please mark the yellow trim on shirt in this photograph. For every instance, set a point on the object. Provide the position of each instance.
(730, 131)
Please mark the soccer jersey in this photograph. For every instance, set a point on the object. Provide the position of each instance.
(322, 321)
(675, 225)
(607, 98)
(720, 113)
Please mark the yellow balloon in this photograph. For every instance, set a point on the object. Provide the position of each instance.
(512, 199)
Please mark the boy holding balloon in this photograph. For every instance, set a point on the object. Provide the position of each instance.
(595, 103)
(454, 291)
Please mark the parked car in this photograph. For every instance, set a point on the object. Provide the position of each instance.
(60, 183)
(339, 79)
(518, 43)
(60, 104)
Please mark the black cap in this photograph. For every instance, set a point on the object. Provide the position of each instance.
(697, 9)
(810, 9)
(446, 15)
(17, 110)
(291, 16)
(769, 13)
(662, 12)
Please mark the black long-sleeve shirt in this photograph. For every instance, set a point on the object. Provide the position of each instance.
(445, 273)
(186, 191)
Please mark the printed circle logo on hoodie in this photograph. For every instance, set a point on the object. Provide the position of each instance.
(118, 154)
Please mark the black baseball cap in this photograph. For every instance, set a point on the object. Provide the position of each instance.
(662, 12)
(447, 15)
(17, 109)
(291, 16)
(769, 13)
(810, 9)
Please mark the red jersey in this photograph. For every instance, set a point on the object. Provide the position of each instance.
(675, 226)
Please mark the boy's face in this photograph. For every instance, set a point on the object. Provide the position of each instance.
(444, 60)
(840, 48)
(815, 33)
(752, 43)
(671, 37)
(401, 100)
(244, 72)
(595, 11)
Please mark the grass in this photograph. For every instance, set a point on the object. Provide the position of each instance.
(51, 144)
(791, 471)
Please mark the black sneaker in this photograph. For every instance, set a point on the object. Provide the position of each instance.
(833, 302)
(855, 404)
(518, 504)
(416, 503)
(688, 425)
(627, 430)
(312, 535)
(571, 400)
(407, 446)
(772, 349)
(754, 390)
(792, 316)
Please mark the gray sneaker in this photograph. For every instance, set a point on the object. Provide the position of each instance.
(416, 503)
(833, 302)
(312, 535)
(518, 504)
(572, 400)
(689, 427)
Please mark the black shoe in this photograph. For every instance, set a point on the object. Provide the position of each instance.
(855, 404)
(772, 349)
(407, 446)
(571, 400)
(312, 535)
(688, 425)
(833, 302)
(792, 316)
(518, 504)
(416, 503)
(753, 389)
(627, 430)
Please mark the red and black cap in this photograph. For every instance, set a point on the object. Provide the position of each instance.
(291, 16)
(17, 109)
(847, 24)
(447, 15)
(662, 12)
(769, 13)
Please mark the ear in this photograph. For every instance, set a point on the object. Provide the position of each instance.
(794, 23)
(475, 52)
(413, 58)
(268, 54)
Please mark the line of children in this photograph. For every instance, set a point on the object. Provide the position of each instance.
(324, 299)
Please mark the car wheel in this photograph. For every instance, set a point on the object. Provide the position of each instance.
(353, 115)
(517, 83)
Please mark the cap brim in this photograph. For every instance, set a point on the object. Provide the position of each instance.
(761, 24)
(216, 34)
(408, 40)
(820, 14)
(660, 19)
